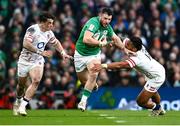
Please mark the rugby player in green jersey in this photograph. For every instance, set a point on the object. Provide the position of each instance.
(93, 36)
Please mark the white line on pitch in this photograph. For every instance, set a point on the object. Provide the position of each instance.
(111, 117)
(103, 115)
(120, 121)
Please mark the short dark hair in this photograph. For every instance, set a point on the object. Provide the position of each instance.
(136, 41)
(107, 10)
(44, 16)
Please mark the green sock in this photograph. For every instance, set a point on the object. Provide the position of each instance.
(86, 94)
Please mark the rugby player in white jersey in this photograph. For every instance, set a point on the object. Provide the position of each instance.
(31, 61)
(154, 73)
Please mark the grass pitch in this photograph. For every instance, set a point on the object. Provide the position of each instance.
(89, 117)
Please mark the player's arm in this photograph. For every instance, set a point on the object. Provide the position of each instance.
(114, 65)
(57, 45)
(28, 40)
(89, 40)
(27, 43)
(60, 49)
(119, 44)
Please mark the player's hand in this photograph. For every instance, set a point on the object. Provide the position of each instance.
(97, 68)
(129, 52)
(66, 56)
(47, 53)
(111, 43)
(103, 42)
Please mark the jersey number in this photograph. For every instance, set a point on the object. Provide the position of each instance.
(147, 54)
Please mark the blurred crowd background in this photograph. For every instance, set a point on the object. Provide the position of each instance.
(157, 22)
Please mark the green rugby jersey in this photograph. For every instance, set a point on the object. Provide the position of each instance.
(100, 33)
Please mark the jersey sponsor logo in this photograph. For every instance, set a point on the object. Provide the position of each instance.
(105, 32)
(96, 36)
(40, 45)
(91, 27)
(31, 30)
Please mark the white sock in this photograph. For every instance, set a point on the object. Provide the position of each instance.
(154, 106)
(84, 98)
(23, 104)
(17, 101)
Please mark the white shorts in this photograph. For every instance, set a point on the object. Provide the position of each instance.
(24, 67)
(80, 62)
(152, 85)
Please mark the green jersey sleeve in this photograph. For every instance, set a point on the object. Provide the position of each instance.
(92, 25)
(110, 31)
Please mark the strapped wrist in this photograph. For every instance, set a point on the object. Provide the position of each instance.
(63, 52)
(105, 66)
(101, 44)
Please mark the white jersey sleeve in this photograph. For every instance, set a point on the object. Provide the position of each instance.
(30, 33)
(52, 38)
(133, 61)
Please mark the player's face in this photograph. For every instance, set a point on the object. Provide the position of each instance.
(105, 19)
(48, 25)
(129, 46)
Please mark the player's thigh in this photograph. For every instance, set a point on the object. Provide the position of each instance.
(22, 70)
(83, 76)
(79, 62)
(22, 81)
(144, 96)
(156, 98)
(36, 73)
(91, 63)
(152, 85)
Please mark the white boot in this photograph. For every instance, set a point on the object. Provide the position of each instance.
(158, 112)
(82, 106)
(22, 111)
(22, 108)
(16, 106)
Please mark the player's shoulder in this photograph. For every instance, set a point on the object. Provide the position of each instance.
(50, 32)
(93, 20)
(32, 28)
(141, 53)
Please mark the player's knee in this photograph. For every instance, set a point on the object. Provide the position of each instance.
(92, 73)
(36, 81)
(93, 76)
(83, 82)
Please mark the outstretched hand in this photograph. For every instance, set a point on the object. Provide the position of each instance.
(96, 68)
(66, 56)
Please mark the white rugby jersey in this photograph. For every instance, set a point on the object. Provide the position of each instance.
(145, 64)
(39, 40)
